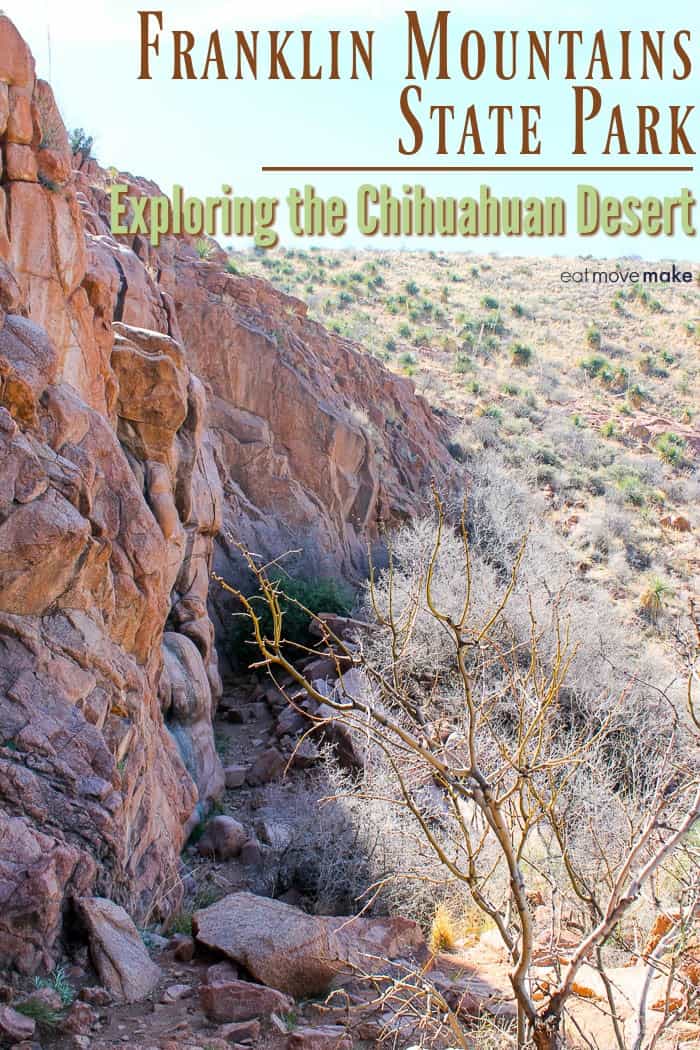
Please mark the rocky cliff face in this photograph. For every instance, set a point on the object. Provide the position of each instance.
(318, 446)
(145, 398)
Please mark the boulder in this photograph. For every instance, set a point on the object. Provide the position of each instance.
(20, 163)
(117, 951)
(274, 833)
(223, 971)
(364, 943)
(20, 125)
(241, 1001)
(182, 947)
(95, 995)
(234, 776)
(251, 854)
(269, 765)
(298, 953)
(291, 722)
(16, 62)
(14, 1025)
(223, 838)
(279, 945)
(305, 754)
(175, 992)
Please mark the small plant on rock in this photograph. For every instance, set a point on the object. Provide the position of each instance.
(81, 142)
(205, 249)
(58, 982)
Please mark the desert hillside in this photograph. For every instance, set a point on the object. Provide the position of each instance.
(347, 642)
(588, 392)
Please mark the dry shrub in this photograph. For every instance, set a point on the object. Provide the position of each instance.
(443, 933)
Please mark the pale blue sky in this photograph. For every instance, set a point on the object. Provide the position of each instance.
(203, 134)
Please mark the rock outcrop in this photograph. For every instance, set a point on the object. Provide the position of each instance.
(318, 446)
(108, 505)
(148, 398)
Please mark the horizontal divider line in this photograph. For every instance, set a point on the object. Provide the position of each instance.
(486, 169)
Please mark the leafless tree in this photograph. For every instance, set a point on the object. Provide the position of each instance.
(491, 728)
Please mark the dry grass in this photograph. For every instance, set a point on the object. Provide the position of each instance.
(443, 932)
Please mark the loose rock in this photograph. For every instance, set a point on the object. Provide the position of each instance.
(241, 1001)
(223, 838)
(234, 776)
(330, 1037)
(14, 1025)
(268, 766)
(117, 951)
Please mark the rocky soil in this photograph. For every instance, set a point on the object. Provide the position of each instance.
(241, 968)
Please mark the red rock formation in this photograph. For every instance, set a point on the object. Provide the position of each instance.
(110, 499)
(318, 446)
(108, 505)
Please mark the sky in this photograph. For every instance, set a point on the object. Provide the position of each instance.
(203, 134)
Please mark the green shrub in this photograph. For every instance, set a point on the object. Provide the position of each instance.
(58, 982)
(463, 364)
(181, 923)
(637, 394)
(595, 364)
(494, 324)
(650, 367)
(81, 142)
(40, 1012)
(296, 596)
(205, 249)
(671, 448)
(521, 355)
(412, 288)
(489, 303)
(632, 490)
(594, 338)
(654, 597)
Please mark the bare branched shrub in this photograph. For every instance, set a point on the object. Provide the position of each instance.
(508, 750)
